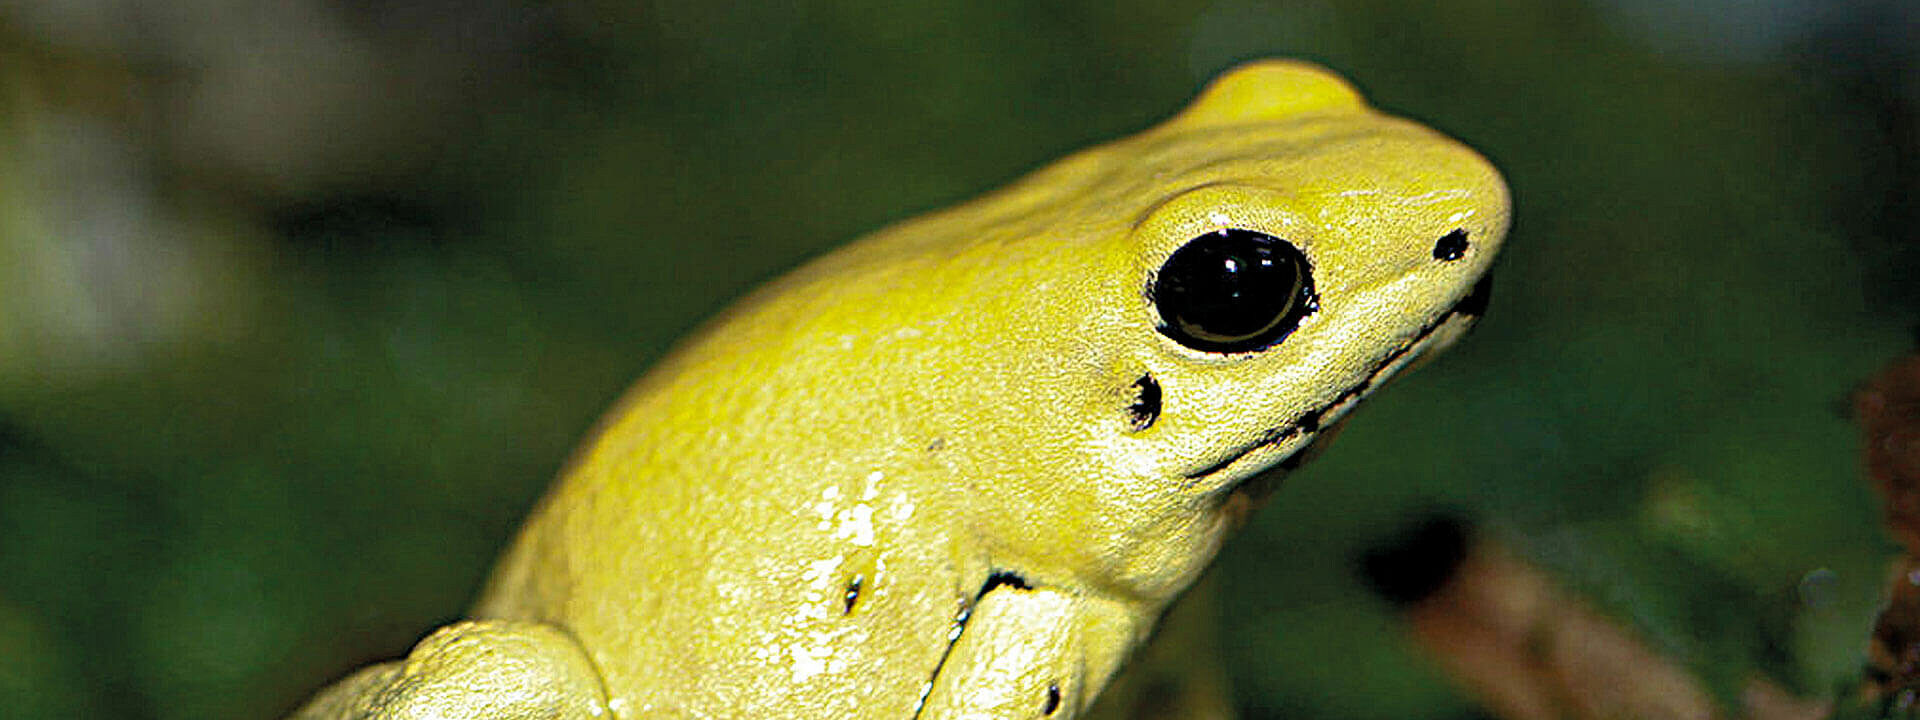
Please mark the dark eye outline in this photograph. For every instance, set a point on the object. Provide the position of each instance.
(1301, 300)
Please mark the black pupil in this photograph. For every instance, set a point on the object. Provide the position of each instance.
(1233, 291)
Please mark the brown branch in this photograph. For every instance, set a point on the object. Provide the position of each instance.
(1529, 650)
(1888, 410)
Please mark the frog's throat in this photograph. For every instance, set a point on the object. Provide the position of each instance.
(1281, 445)
(1262, 453)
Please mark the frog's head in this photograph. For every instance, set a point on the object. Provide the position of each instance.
(1290, 275)
(1274, 254)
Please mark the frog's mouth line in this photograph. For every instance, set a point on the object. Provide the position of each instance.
(1468, 309)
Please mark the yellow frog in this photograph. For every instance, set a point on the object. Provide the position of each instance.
(959, 467)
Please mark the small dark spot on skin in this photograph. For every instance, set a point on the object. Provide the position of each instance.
(937, 445)
(1452, 246)
(853, 594)
(1146, 405)
(1008, 578)
(1053, 699)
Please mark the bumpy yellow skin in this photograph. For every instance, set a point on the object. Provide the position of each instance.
(903, 480)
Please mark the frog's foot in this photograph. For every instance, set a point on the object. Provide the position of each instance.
(1027, 652)
(498, 669)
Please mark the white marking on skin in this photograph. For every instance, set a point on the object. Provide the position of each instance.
(808, 643)
(856, 525)
(825, 508)
(807, 661)
(1437, 196)
(809, 648)
(819, 652)
(818, 575)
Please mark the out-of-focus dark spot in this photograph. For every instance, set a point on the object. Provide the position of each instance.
(1419, 560)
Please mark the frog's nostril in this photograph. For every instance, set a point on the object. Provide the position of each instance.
(1451, 246)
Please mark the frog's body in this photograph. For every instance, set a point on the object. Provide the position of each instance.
(959, 467)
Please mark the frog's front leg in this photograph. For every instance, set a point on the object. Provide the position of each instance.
(1026, 652)
(497, 669)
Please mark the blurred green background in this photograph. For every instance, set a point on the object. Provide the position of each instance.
(302, 303)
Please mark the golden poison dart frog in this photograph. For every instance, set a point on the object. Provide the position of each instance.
(960, 466)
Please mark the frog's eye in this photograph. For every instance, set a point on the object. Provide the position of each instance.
(1233, 291)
